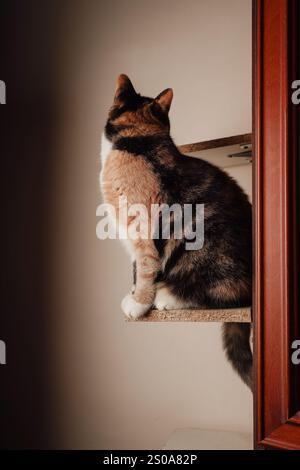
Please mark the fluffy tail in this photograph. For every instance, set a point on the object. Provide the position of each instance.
(236, 344)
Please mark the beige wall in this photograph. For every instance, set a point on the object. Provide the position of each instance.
(118, 385)
(242, 174)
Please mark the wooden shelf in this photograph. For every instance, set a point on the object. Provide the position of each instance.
(210, 144)
(236, 315)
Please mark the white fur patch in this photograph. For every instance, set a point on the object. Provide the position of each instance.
(129, 248)
(133, 309)
(106, 147)
(165, 300)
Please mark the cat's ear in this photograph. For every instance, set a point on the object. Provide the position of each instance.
(124, 90)
(164, 99)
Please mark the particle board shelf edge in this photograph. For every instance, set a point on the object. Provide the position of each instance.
(210, 144)
(235, 315)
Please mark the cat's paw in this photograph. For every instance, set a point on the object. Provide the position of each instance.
(132, 308)
(165, 300)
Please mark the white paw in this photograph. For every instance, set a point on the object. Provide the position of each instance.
(164, 300)
(133, 309)
(163, 306)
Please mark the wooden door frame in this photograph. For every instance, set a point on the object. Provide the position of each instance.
(276, 209)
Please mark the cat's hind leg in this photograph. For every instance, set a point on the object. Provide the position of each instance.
(166, 300)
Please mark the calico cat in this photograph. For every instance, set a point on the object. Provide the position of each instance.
(140, 161)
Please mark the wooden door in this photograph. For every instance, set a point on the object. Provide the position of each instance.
(276, 227)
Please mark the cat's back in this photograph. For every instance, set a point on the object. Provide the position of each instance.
(198, 180)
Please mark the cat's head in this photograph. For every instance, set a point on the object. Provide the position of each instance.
(134, 115)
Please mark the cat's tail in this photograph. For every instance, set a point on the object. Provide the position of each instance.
(236, 344)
